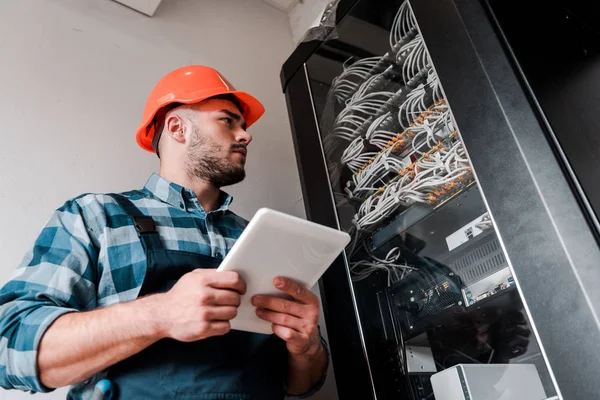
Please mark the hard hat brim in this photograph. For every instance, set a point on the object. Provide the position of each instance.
(252, 111)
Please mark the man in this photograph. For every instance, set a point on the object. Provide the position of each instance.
(124, 286)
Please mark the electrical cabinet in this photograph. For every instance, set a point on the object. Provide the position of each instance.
(425, 129)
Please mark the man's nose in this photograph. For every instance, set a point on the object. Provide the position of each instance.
(243, 137)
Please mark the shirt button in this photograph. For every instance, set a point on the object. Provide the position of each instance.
(181, 206)
(219, 255)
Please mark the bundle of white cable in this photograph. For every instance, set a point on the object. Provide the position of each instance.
(389, 141)
(434, 83)
(426, 124)
(427, 128)
(404, 23)
(395, 271)
(372, 178)
(360, 107)
(420, 182)
(357, 114)
(354, 157)
(414, 105)
(365, 88)
(346, 84)
(413, 57)
(378, 136)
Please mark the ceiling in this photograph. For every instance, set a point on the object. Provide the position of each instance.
(283, 5)
(149, 7)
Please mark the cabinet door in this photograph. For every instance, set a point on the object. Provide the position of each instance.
(452, 238)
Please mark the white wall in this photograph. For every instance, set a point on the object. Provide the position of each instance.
(74, 76)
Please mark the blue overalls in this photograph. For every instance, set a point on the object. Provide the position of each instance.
(237, 366)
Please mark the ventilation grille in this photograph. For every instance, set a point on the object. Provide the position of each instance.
(481, 262)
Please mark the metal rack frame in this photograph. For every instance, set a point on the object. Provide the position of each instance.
(545, 231)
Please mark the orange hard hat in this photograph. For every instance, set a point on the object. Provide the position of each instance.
(189, 85)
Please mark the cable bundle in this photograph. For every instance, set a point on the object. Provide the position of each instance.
(441, 171)
(417, 102)
(404, 25)
(380, 135)
(372, 176)
(358, 112)
(395, 271)
(430, 127)
(414, 60)
(396, 136)
(353, 157)
(348, 82)
(426, 130)
(434, 83)
(379, 132)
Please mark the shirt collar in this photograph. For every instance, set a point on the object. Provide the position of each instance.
(179, 196)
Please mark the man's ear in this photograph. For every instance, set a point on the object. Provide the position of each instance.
(175, 127)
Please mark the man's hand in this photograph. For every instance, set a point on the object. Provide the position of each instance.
(80, 344)
(295, 321)
(200, 305)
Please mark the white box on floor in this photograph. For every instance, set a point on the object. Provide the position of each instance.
(488, 382)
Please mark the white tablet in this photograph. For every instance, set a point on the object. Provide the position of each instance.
(277, 244)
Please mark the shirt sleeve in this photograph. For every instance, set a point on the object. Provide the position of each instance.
(56, 276)
(317, 386)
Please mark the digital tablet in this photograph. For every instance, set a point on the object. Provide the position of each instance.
(277, 244)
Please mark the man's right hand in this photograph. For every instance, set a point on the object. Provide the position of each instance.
(80, 344)
(200, 305)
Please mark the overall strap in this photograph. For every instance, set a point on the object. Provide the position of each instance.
(144, 225)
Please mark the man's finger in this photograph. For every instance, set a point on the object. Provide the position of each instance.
(226, 280)
(219, 328)
(224, 313)
(296, 290)
(280, 305)
(287, 334)
(222, 297)
(289, 321)
(296, 342)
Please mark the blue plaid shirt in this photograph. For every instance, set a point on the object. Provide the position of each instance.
(80, 262)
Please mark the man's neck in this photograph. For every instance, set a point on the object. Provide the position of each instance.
(208, 195)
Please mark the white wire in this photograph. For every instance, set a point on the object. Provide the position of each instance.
(387, 264)
(413, 58)
(440, 168)
(404, 23)
(408, 21)
(434, 126)
(352, 76)
(357, 113)
(413, 106)
(395, 33)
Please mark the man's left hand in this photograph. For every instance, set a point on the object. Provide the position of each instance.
(295, 321)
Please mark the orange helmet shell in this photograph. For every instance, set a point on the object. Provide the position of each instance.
(189, 85)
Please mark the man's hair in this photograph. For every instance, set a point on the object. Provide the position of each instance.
(159, 118)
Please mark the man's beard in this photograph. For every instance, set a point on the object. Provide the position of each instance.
(205, 162)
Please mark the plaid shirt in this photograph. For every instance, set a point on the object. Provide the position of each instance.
(89, 255)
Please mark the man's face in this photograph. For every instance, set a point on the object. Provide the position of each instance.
(216, 150)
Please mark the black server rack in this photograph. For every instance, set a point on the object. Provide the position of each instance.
(458, 142)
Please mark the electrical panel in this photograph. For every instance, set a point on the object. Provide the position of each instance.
(428, 273)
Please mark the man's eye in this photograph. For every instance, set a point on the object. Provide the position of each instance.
(228, 120)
